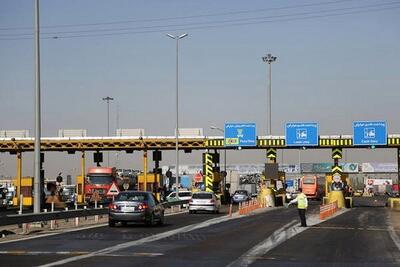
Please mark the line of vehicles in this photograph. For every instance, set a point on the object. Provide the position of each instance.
(143, 207)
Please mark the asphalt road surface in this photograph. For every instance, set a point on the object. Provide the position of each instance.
(359, 237)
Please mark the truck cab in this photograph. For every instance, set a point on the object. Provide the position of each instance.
(98, 181)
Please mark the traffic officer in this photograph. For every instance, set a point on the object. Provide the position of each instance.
(302, 204)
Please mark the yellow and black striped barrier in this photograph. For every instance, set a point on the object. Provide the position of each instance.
(335, 142)
(336, 169)
(271, 143)
(271, 153)
(393, 141)
(215, 143)
(336, 153)
(208, 171)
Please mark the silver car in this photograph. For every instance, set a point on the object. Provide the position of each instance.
(204, 201)
(240, 196)
(135, 206)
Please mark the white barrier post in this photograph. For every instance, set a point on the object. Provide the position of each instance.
(66, 209)
(25, 228)
(101, 207)
(76, 218)
(21, 200)
(52, 222)
(96, 217)
(84, 207)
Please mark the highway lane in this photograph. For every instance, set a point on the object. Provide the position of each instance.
(217, 245)
(358, 238)
(42, 250)
(355, 238)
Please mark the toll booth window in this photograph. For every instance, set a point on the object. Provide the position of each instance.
(99, 179)
(131, 197)
(309, 181)
(202, 196)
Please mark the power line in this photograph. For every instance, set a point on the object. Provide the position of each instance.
(182, 17)
(159, 27)
(210, 26)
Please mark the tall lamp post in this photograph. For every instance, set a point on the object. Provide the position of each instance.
(269, 59)
(223, 132)
(38, 125)
(177, 38)
(108, 99)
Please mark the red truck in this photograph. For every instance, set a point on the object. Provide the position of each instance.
(98, 181)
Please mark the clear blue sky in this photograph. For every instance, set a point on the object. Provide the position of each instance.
(338, 61)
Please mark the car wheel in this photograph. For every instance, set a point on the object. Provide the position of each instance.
(190, 211)
(124, 223)
(150, 221)
(217, 211)
(111, 223)
(162, 219)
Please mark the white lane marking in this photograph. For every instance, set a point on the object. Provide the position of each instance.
(350, 228)
(71, 230)
(35, 253)
(56, 233)
(394, 236)
(75, 253)
(143, 240)
(278, 237)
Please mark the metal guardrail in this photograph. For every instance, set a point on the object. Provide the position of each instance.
(58, 215)
(48, 216)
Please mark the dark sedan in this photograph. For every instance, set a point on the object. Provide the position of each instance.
(135, 206)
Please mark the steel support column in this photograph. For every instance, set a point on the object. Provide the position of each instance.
(145, 169)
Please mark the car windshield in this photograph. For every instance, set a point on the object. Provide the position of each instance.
(132, 196)
(100, 179)
(202, 196)
(185, 194)
(241, 192)
(309, 181)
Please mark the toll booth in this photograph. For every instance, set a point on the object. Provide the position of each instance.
(329, 179)
(342, 200)
(25, 189)
(149, 183)
(80, 192)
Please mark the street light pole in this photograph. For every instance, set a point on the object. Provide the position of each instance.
(108, 99)
(269, 59)
(37, 179)
(177, 38)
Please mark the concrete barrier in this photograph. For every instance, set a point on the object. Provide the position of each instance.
(328, 210)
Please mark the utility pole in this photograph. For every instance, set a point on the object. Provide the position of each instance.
(269, 59)
(108, 99)
(177, 38)
(38, 126)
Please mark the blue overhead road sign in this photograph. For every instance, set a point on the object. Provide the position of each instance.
(302, 134)
(240, 134)
(369, 133)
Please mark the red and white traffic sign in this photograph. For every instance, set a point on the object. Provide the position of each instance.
(198, 177)
(113, 191)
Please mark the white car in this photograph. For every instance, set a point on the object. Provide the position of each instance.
(204, 201)
(183, 195)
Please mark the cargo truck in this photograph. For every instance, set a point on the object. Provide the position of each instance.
(98, 181)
